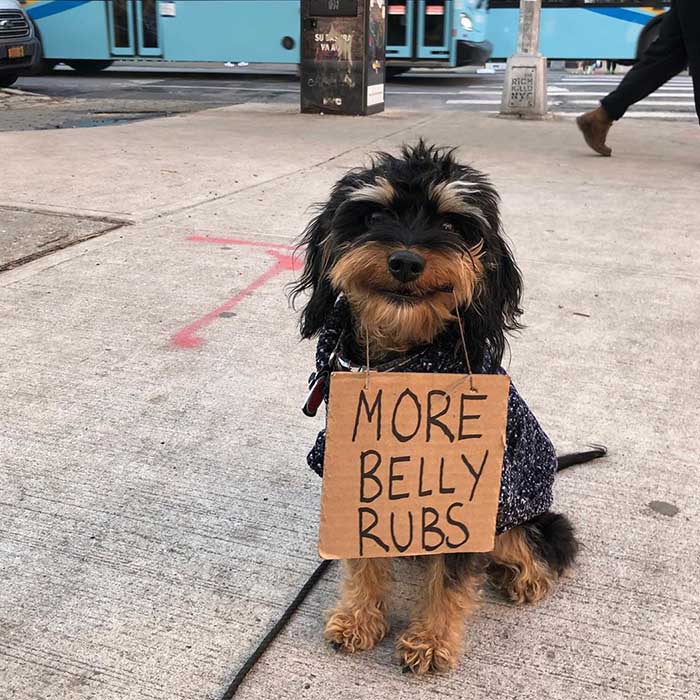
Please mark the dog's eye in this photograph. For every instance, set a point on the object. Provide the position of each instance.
(373, 219)
(448, 226)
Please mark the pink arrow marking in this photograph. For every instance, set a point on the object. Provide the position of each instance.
(187, 337)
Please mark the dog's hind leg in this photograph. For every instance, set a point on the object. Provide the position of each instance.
(434, 640)
(358, 621)
(528, 559)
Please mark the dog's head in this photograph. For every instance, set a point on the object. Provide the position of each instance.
(406, 241)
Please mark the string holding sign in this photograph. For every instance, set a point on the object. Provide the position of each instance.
(464, 342)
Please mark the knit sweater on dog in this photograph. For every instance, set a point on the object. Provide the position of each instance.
(529, 460)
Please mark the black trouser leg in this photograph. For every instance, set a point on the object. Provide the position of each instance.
(689, 19)
(663, 59)
(695, 69)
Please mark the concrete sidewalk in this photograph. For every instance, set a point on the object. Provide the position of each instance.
(156, 513)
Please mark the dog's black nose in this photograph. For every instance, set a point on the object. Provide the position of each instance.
(405, 265)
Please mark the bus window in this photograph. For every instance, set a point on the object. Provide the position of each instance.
(435, 17)
(149, 24)
(396, 24)
(120, 22)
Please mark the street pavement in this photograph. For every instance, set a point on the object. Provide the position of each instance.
(128, 93)
(157, 515)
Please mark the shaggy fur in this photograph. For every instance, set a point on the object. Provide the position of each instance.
(446, 216)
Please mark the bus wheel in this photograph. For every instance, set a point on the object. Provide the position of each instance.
(649, 35)
(7, 79)
(88, 67)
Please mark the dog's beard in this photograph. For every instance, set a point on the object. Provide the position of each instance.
(394, 317)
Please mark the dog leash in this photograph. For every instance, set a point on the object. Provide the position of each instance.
(276, 629)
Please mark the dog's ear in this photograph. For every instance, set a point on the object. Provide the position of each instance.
(496, 308)
(507, 285)
(314, 277)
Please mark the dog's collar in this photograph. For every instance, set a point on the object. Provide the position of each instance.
(341, 364)
(338, 363)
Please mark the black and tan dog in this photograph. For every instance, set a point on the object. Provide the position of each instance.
(399, 252)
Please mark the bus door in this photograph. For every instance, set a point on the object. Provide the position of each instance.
(134, 27)
(434, 28)
(419, 29)
(399, 28)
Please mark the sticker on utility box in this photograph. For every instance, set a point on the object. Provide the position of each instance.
(167, 9)
(375, 94)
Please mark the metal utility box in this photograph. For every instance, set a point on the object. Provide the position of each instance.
(342, 56)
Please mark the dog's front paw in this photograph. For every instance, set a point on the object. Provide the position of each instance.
(355, 630)
(421, 652)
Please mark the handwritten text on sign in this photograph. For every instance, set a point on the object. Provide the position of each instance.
(412, 464)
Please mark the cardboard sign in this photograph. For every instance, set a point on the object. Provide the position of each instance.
(412, 464)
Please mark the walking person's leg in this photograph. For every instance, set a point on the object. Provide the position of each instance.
(663, 59)
(689, 19)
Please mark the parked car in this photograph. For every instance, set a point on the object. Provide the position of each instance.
(20, 49)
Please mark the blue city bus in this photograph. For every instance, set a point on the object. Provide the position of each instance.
(89, 34)
(587, 29)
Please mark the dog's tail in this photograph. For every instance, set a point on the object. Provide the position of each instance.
(566, 461)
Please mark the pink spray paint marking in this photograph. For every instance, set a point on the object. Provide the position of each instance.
(188, 337)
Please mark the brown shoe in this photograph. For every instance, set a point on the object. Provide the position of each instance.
(594, 126)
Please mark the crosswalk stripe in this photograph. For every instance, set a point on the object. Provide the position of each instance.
(574, 78)
(660, 115)
(642, 115)
(559, 94)
(686, 83)
(611, 86)
(476, 91)
(603, 93)
(422, 92)
(473, 102)
(647, 103)
(564, 94)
